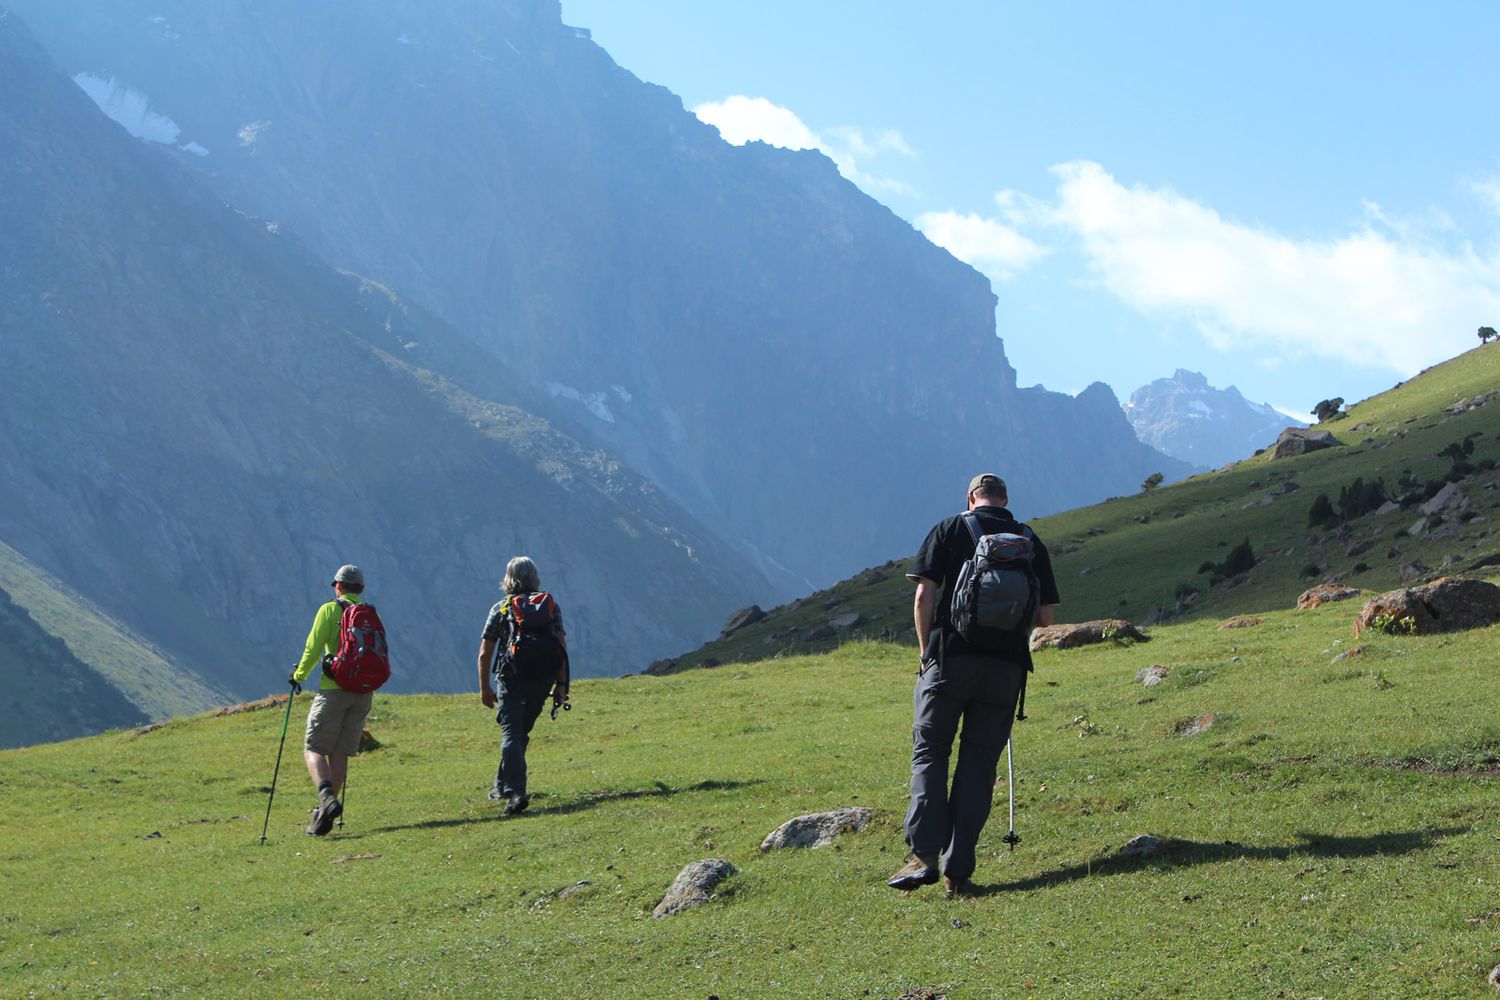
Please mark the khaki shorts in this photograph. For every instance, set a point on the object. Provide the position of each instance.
(336, 720)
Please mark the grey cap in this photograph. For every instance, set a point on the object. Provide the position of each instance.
(989, 482)
(350, 573)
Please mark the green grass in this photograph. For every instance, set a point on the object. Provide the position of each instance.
(1333, 835)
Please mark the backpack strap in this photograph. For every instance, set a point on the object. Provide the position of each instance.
(971, 521)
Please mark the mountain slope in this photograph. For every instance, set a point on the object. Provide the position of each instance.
(729, 321)
(201, 422)
(1143, 557)
(48, 693)
(1189, 419)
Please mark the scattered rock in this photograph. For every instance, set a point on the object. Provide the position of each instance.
(1412, 572)
(1450, 604)
(693, 886)
(574, 889)
(1449, 498)
(824, 631)
(846, 621)
(1418, 527)
(1142, 846)
(148, 728)
(1494, 979)
(1151, 676)
(1197, 724)
(817, 829)
(1245, 621)
(1301, 440)
(1289, 487)
(1387, 508)
(872, 576)
(1086, 571)
(1349, 654)
(153, 835)
(1446, 531)
(270, 701)
(1357, 549)
(1325, 593)
(1085, 633)
(1466, 404)
(741, 618)
(660, 667)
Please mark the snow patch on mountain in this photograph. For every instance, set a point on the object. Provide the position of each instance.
(1191, 420)
(131, 109)
(595, 402)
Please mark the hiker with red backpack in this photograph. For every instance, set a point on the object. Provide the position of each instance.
(347, 642)
(525, 650)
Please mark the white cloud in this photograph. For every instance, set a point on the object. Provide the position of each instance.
(741, 119)
(1488, 191)
(987, 244)
(1364, 297)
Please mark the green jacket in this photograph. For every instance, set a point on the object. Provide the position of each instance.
(322, 641)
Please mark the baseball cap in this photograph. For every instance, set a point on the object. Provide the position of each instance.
(350, 573)
(989, 483)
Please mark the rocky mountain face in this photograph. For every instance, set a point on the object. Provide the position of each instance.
(1189, 419)
(201, 421)
(780, 353)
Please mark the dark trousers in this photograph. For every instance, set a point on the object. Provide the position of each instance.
(520, 704)
(981, 691)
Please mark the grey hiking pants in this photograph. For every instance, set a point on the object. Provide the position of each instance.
(520, 704)
(981, 691)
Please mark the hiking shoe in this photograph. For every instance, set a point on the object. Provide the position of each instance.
(516, 804)
(955, 887)
(324, 813)
(920, 870)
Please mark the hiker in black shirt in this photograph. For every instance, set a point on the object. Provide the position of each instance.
(957, 682)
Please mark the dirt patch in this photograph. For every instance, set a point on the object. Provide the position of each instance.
(270, 701)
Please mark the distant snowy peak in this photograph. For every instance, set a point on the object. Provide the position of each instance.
(131, 110)
(1191, 420)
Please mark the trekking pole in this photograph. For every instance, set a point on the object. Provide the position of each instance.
(1010, 788)
(277, 772)
(344, 796)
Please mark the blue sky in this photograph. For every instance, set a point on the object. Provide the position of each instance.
(1302, 200)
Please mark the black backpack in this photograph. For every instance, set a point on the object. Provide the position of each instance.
(995, 597)
(533, 651)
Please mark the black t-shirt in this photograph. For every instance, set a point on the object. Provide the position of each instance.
(948, 546)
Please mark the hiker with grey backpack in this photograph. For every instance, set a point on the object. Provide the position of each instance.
(984, 580)
(523, 660)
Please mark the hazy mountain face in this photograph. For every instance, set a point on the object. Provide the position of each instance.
(1189, 419)
(200, 423)
(778, 351)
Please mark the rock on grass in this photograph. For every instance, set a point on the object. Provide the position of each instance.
(817, 829)
(1450, 604)
(1325, 593)
(693, 886)
(1085, 633)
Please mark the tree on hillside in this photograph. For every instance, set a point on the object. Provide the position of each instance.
(1321, 514)
(1486, 334)
(1328, 409)
(1241, 559)
(1152, 482)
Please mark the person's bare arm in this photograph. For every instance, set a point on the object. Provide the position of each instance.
(924, 605)
(486, 657)
(1044, 615)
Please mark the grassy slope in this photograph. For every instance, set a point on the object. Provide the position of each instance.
(1109, 564)
(154, 684)
(1310, 865)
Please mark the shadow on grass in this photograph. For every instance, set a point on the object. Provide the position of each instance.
(578, 803)
(1185, 853)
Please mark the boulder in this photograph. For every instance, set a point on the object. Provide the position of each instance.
(1357, 549)
(1450, 604)
(1325, 593)
(1412, 572)
(1197, 724)
(848, 620)
(1085, 633)
(741, 618)
(1151, 676)
(1418, 527)
(1387, 508)
(1449, 498)
(1301, 440)
(1244, 621)
(1142, 846)
(693, 886)
(817, 829)
(660, 667)
(824, 631)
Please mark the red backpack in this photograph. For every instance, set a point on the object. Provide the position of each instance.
(533, 652)
(361, 663)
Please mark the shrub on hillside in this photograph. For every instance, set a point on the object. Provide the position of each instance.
(1321, 514)
(1360, 498)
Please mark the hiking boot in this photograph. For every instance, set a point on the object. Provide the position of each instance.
(516, 804)
(920, 870)
(324, 813)
(955, 887)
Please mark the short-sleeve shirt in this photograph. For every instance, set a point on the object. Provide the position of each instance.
(497, 626)
(948, 546)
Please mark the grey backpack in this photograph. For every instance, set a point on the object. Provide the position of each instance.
(996, 594)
